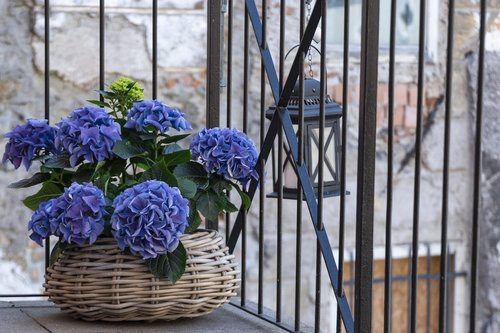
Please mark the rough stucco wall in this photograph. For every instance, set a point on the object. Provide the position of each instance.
(489, 246)
(74, 75)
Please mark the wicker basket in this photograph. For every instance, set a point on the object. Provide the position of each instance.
(100, 282)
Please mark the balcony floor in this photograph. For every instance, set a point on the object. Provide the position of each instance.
(42, 316)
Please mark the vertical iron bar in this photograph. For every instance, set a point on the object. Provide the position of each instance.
(262, 192)
(279, 231)
(390, 154)
(321, 158)
(155, 48)
(448, 326)
(428, 279)
(343, 161)
(214, 73)
(281, 71)
(300, 136)
(245, 124)
(418, 153)
(101, 47)
(446, 167)
(229, 89)
(366, 165)
(282, 44)
(409, 288)
(477, 167)
(300, 198)
(352, 259)
(47, 95)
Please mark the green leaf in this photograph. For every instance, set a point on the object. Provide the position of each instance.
(116, 165)
(99, 103)
(48, 191)
(107, 94)
(169, 149)
(187, 187)
(130, 85)
(147, 136)
(84, 173)
(159, 171)
(58, 162)
(101, 178)
(36, 179)
(171, 265)
(173, 138)
(228, 205)
(245, 199)
(209, 204)
(219, 184)
(178, 157)
(193, 218)
(193, 171)
(42, 158)
(56, 252)
(126, 151)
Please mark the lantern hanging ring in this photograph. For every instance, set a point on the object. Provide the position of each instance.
(309, 57)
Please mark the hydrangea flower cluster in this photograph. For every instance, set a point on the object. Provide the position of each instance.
(149, 218)
(153, 113)
(122, 84)
(226, 152)
(88, 132)
(76, 216)
(39, 223)
(26, 141)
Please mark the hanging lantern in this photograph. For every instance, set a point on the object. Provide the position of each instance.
(332, 143)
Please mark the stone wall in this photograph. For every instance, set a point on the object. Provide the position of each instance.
(182, 57)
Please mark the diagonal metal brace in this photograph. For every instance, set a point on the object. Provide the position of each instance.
(281, 121)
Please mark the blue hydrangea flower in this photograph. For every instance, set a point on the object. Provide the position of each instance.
(226, 152)
(88, 132)
(39, 223)
(78, 214)
(26, 141)
(149, 218)
(156, 114)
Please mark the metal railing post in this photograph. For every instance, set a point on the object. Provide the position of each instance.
(366, 166)
(214, 70)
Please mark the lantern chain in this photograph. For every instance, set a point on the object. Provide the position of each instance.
(309, 54)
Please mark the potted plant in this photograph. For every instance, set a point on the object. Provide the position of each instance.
(125, 200)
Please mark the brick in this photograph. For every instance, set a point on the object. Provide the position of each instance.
(412, 94)
(337, 93)
(399, 116)
(410, 117)
(381, 115)
(382, 94)
(401, 94)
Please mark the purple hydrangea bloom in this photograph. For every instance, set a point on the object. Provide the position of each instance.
(26, 141)
(78, 214)
(88, 132)
(149, 218)
(156, 114)
(226, 152)
(40, 222)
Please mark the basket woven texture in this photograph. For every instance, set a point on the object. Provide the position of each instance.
(101, 282)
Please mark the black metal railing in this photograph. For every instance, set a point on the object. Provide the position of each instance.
(280, 129)
(280, 83)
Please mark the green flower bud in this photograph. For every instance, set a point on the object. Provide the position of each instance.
(122, 85)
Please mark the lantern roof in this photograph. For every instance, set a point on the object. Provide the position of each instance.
(312, 103)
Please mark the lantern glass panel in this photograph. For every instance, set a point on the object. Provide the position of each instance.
(289, 173)
(329, 163)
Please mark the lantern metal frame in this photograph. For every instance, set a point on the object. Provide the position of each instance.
(333, 114)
